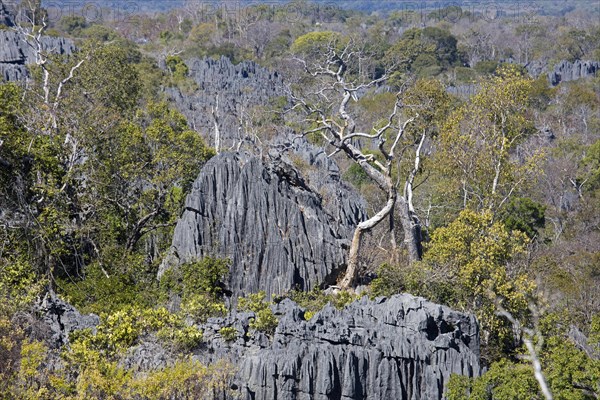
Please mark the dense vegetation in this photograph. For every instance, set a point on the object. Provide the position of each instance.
(95, 165)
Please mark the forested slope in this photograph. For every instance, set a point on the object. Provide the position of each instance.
(184, 192)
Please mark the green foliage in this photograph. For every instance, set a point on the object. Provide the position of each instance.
(72, 24)
(19, 284)
(356, 175)
(467, 265)
(199, 285)
(11, 340)
(228, 333)
(426, 52)
(33, 354)
(573, 43)
(120, 330)
(432, 105)
(202, 306)
(488, 67)
(23, 155)
(100, 379)
(393, 279)
(477, 141)
(465, 75)
(523, 214)
(108, 77)
(205, 276)
(128, 284)
(314, 300)
(177, 68)
(503, 381)
(315, 44)
(541, 93)
(571, 374)
(99, 33)
(591, 164)
(186, 379)
(141, 172)
(264, 319)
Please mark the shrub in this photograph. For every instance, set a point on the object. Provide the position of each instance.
(525, 215)
(228, 333)
(264, 319)
(122, 329)
(200, 286)
(486, 67)
(314, 300)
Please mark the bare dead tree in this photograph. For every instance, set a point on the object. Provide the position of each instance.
(31, 31)
(331, 118)
(215, 116)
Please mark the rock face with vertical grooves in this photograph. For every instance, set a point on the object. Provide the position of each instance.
(16, 54)
(237, 88)
(7, 15)
(402, 347)
(566, 71)
(264, 217)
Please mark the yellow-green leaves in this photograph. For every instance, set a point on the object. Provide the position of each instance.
(264, 319)
(314, 43)
(475, 254)
(19, 284)
(477, 140)
(122, 329)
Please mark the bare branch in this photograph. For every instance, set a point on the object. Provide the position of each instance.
(400, 135)
(528, 337)
(408, 187)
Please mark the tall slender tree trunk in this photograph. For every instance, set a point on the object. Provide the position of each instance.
(365, 226)
(412, 230)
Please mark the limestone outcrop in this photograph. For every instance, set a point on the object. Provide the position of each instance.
(16, 54)
(402, 347)
(264, 217)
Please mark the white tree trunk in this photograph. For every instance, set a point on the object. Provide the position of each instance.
(365, 226)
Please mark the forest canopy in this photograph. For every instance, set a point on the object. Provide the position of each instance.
(474, 141)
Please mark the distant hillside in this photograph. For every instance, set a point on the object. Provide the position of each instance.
(503, 7)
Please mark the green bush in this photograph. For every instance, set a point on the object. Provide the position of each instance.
(97, 293)
(264, 320)
(356, 175)
(314, 300)
(177, 67)
(228, 333)
(202, 306)
(569, 371)
(199, 285)
(464, 74)
(19, 285)
(72, 24)
(525, 215)
(120, 330)
(486, 67)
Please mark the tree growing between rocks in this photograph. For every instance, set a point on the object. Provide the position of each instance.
(339, 75)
